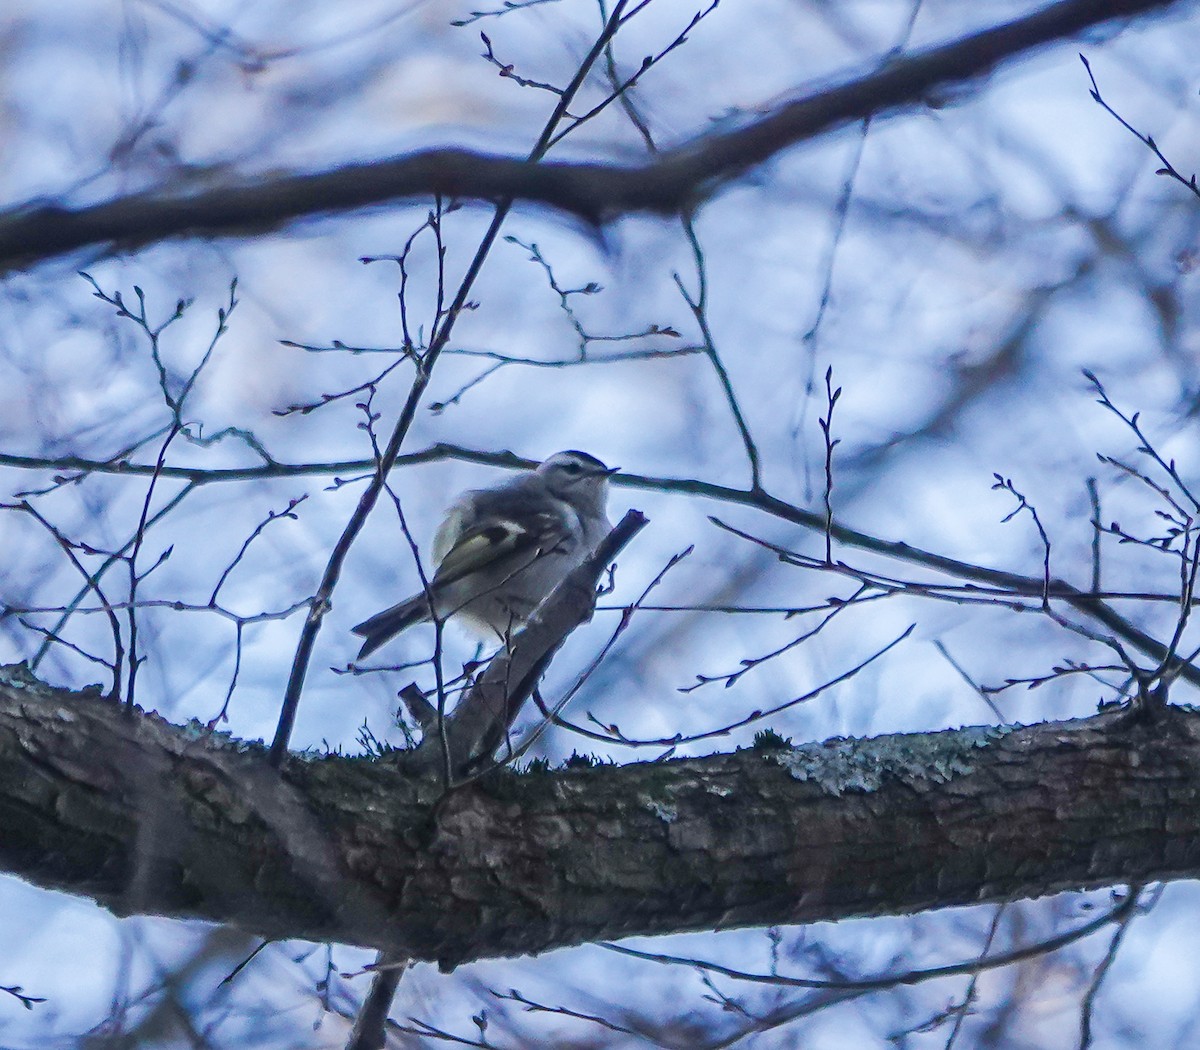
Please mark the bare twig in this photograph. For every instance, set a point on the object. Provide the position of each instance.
(333, 568)
(1110, 957)
(18, 993)
(975, 965)
(826, 424)
(139, 536)
(612, 733)
(552, 716)
(91, 582)
(1168, 169)
(698, 304)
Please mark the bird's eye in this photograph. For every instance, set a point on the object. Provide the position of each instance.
(572, 468)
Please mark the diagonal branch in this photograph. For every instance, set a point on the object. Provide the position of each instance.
(483, 718)
(675, 181)
(444, 324)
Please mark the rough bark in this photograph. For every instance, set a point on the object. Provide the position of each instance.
(149, 817)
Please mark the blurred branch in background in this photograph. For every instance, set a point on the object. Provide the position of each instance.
(676, 180)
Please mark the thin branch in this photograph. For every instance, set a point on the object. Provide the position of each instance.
(962, 673)
(1168, 169)
(18, 993)
(622, 88)
(612, 733)
(698, 304)
(139, 536)
(92, 583)
(289, 512)
(93, 579)
(1093, 605)
(1110, 957)
(908, 977)
(826, 424)
(333, 569)
(960, 1011)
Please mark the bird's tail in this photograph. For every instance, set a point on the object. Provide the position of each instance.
(384, 626)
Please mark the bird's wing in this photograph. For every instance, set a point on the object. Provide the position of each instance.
(457, 521)
(498, 542)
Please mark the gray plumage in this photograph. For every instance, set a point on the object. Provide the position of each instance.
(501, 551)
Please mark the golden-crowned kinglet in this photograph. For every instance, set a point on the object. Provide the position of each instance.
(501, 551)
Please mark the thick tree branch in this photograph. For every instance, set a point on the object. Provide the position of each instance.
(153, 818)
(676, 180)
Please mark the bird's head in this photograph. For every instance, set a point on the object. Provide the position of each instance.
(577, 477)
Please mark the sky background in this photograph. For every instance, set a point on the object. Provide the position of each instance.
(956, 265)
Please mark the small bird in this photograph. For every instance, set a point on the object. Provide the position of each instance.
(501, 551)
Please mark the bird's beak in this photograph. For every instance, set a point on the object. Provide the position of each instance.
(610, 471)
